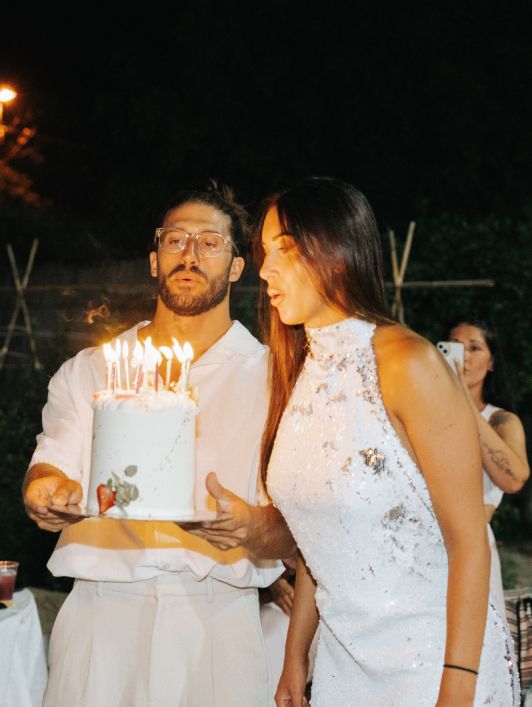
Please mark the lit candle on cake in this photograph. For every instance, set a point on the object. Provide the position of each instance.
(140, 376)
(111, 360)
(180, 355)
(158, 360)
(168, 354)
(146, 359)
(176, 346)
(136, 360)
(114, 378)
(151, 361)
(125, 356)
(189, 355)
(108, 356)
(117, 362)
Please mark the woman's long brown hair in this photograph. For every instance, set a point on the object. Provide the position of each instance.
(337, 237)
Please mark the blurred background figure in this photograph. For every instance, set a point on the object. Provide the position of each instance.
(502, 438)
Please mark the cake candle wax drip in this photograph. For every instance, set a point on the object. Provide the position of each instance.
(143, 450)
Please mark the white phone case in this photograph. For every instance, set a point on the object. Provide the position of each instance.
(451, 350)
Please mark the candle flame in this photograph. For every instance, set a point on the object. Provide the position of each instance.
(146, 359)
(136, 357)
(111, 355)
(151, 356)
(167, 352)
(108, 353)
(180, 355)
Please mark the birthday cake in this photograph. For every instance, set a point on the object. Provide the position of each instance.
(142, 462)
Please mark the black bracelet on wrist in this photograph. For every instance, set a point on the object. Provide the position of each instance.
(460, 667)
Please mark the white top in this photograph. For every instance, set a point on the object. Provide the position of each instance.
(492, 493)
(360, 511)
(231, 377)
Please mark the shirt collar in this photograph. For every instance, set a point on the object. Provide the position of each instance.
(236, 340)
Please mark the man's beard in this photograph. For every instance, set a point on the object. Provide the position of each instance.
(186, 304)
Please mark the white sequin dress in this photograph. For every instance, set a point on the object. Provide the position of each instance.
(493, 497)
(361, 514)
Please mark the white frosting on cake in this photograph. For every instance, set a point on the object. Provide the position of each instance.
(142, 463)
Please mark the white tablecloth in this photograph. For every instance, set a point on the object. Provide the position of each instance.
(23, 671)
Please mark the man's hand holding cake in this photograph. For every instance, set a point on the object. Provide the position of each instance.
(261, 530)
(46, 486)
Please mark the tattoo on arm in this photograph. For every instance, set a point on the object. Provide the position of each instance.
(499, 459)
(499, 417)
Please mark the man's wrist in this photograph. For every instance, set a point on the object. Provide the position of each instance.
(257, 529)
(39, 471)
(268, 535)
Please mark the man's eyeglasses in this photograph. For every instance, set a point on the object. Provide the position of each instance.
(209, 243)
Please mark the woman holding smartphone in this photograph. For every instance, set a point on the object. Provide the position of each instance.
(502, 438)
(380, 486)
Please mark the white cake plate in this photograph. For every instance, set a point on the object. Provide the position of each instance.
(77, 513)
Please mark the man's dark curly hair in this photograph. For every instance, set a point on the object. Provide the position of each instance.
(222, 198)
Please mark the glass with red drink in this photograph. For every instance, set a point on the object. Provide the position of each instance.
(8, 575)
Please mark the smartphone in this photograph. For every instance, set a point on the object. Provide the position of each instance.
(451, 350)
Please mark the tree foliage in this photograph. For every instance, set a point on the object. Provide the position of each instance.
(451, 247)
(18, 152)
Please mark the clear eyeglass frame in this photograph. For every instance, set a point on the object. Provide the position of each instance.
(202, 238)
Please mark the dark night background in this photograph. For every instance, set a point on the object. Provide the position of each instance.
(426, 107)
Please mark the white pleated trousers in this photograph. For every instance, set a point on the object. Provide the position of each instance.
(170, 641)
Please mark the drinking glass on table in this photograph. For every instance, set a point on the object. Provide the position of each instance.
(8, 576)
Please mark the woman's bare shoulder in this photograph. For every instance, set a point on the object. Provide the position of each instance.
(397, 345)
(502, 420)
(408, 361)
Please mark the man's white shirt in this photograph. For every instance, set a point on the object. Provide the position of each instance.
(231, 378)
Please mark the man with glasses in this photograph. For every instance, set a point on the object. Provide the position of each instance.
(158, 616)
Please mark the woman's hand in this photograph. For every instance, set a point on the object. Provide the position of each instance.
(291, 688)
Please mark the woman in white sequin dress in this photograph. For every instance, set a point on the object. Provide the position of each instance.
(501, 434)
(375, 480)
